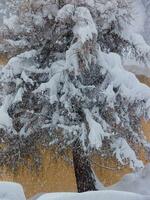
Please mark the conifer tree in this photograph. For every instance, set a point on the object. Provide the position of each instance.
(70, 89)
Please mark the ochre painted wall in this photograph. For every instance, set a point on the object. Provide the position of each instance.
(53, 176)
(58, 175)
(144, 79)
(3, 59)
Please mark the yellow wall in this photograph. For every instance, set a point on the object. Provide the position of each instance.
(144, 80)
(57, 175)
(54, 175)
(3, 59)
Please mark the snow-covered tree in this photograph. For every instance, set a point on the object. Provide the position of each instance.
(71, 90)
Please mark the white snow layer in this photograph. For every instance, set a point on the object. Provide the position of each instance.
(96, 134)
(123, 151)
(138, 182)
(100, 195)
(18, 64)
(11, 191)
(129, 84)
(85, 27)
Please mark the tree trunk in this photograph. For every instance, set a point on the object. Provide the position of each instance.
(85, 179)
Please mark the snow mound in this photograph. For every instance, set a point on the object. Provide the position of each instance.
(101, 195)
(11, 191)
(135, 182)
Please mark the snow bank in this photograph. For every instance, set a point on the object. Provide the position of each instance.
(135, 182)
(11, 191)
(101, 195)
(14, 191)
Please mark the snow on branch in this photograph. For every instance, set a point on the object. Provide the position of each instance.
(96, 134)
(16, 65)
(85, 28)
(18, 96)
(56, 77)
(124, 153)
(65, 13)
(5, 119)
(127, 83)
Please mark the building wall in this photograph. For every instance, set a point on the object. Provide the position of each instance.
(57, 175)
(53, 176)
(3, 59)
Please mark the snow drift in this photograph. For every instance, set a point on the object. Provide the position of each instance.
(102, 195)
(135, 182)
(11, 191)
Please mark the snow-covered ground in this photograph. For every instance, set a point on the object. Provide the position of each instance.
(11, 191)
(100, 195)
(135, 182)
(134, 186)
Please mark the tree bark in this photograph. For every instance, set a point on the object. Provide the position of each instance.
(85, 179)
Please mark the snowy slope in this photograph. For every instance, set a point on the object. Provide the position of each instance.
(11, 191)
(135, 182)
(14, 191)
(102, 195)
